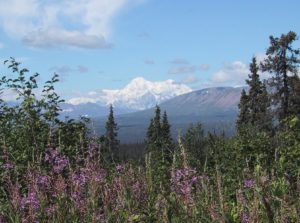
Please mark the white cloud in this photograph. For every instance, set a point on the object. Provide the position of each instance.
(53, 37)
(81, 100)
(232, 74)
(66, 70)
(8, 95)
(236, 73)
(44, 23)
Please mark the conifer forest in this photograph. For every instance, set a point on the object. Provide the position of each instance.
(60, 170)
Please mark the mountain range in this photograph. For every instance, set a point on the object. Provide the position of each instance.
(139, 94)
(215, 108)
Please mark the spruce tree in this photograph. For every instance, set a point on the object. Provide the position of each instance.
(149, 137)
(159, 150)
(111, 141)
(258, 100)
(166, 130)
(255, 90)
(294, 102)
(195, 144)
(254, 106)
(254, 120)
(166, 137)
(154, 132)
(244, 114)
(157, 126)
(282, 60)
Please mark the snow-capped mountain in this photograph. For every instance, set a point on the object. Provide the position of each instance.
(216, 108)
(139, 94)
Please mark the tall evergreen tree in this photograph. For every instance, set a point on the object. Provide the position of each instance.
(157, 126)
(294, 102)
(258, 100)
(154, 132)
(159, 153)
(244, 114)
(195, 144)
(150, 134)
(282, 60)
(111, 134)
(166, 129)
(255, 90)
(254, 106)
(166, 137)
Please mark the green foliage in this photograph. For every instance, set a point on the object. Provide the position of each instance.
(71, 136)
(160, 148)
(196, 143)
(294, 99)
(282, 59)
(254, 106)
(288, 149)
(28, 126)
(110, 151)
(244, 115)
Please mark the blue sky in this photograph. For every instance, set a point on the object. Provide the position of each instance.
(103, 44)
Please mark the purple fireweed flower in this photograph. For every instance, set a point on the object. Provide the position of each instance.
(76, 195)
(78, 200)
(60, 163)
(249, 183)
(183, 181)
(47, 157)
(54, 153)
(7, 166)
(50, 155)
(194, 179)
(185, 189)
(100, 175)
(245, 218)
(31, 201)
(79, 179)
(120, 168)
(43, 181)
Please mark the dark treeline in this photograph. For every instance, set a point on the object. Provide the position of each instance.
(60, 171)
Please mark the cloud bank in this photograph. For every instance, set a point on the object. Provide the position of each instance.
(235, 73)
(44, 23)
